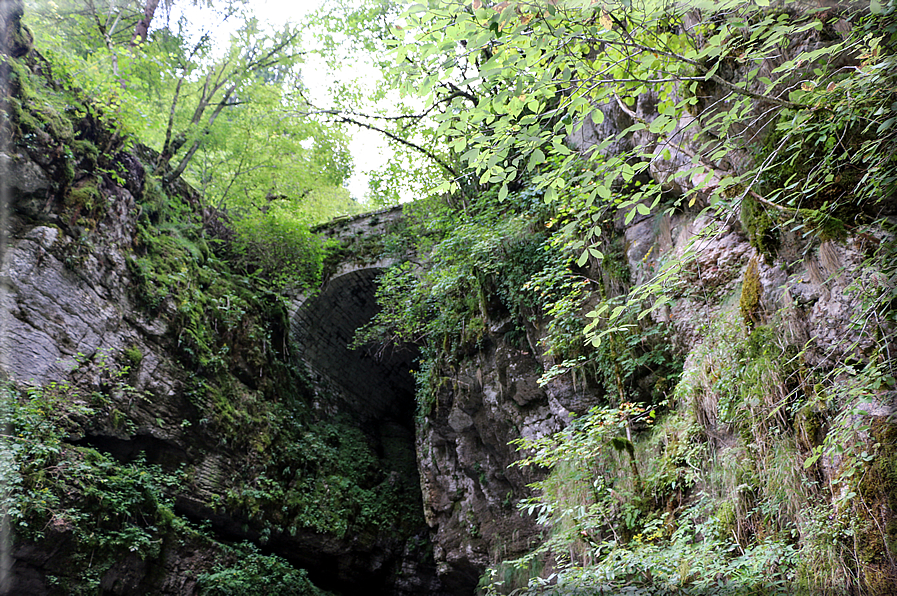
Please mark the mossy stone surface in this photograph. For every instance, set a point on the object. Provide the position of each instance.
(751, 293)
(760, 228)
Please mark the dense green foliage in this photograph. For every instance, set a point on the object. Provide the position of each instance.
(100, 508)
(497, 270)
(231, 120)
(55, 488)
(255, 574)
(708, 515)
(514, 81)
(783, 114)
(227, 117)
(751, 468)
(478, 261)
(326, 477)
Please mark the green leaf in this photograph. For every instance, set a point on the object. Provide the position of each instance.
(712, 71)
(503, 193)
(659, 124)
(536, 157)
(471, 155)
(886, 125)
(817, 453)
(657, 304)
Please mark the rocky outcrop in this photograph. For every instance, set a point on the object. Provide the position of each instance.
(465, 455)
(493, 397)
(15, 39)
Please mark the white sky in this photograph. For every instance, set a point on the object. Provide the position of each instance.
(369, 149)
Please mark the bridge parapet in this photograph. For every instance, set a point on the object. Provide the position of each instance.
(366, 241)
(362, 224)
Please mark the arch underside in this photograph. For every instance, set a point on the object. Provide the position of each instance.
(373, 384)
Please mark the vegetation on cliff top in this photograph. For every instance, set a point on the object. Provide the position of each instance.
(231, 120)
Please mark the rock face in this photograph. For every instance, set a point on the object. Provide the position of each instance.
(15, 40)
(61, 314)
(464, 454)
(470, 488)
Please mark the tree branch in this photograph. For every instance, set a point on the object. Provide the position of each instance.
(715, 77)
(345, 118)
(140, 31)
(197, 142)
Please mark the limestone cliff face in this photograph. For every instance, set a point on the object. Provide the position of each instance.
(71, 315)
(464, 454)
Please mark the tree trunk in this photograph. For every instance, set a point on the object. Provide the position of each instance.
(142, 28)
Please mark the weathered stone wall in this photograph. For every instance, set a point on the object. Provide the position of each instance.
(364, 224)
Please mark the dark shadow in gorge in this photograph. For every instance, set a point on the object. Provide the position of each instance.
(376, 389)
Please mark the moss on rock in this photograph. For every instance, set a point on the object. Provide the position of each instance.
(760, 228)
(751, 292)
(84, 196)
(826, 226)
(876, 534)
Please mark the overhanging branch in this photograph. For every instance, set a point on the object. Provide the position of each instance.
(348, 118)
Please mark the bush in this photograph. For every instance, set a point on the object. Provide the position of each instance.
(255, 574)
(278, 246)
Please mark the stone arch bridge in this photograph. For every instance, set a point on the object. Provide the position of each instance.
(375, 390)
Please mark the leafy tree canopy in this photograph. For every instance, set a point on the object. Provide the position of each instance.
(229, 117)
(717, 105)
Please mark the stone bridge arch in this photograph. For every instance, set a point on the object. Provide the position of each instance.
(375, 390)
